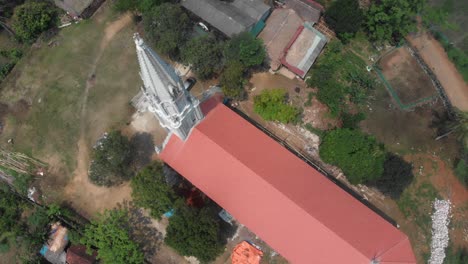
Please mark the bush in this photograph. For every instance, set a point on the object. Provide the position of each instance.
(461, 171)
(32, 18)
(111, 160)
(110, 235)
(360, 156)
(232, 81)
(151, 191)
(136, 5)
(352, 121)
(195, 232)
(272, 106)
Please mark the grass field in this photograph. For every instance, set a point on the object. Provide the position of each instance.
(46, 92)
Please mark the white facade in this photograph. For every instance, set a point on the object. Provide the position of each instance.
(163, 93)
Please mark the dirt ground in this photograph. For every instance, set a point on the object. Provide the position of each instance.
(435, 57)
(406, 76)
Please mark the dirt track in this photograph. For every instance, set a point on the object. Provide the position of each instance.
(86, 197)
(435, 57)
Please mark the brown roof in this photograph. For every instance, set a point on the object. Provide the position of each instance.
(76, 254)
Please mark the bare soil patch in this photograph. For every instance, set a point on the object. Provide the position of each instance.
(406, 76)
(435, 57)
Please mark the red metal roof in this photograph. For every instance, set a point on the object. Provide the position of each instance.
(291, 206)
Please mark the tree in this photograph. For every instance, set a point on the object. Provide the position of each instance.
(168, 27)
(204, 54)
(272, 106)
(232, 81)
(397, 175)
(110, 235)
(10, 211)
(391, 20)
(150, 190)
(32, 18)
(458, 125)
(360, 156)
(194, 232)
(245, 48)
(111, 160)
(345, 17)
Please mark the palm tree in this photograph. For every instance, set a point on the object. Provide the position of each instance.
(459, 126)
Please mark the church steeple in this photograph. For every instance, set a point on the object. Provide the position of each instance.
(164, 93)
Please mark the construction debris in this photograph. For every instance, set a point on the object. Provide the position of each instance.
(440, 232)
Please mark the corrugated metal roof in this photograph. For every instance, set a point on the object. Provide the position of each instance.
(229, 17)
(304, 50)
(307, 10)
(296, 210)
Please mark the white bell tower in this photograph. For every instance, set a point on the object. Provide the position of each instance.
(164, 94)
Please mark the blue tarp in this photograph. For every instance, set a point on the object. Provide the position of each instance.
(43, 250)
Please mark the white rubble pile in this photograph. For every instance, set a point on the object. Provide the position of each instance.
(440, 231)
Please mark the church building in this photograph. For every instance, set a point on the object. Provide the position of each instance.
(295, 209)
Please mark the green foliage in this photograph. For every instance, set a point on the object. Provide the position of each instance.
(10, 211)
(32, 18)
(360, 156)
(21, 181)
(111, 160)
(232, 81)
(110, 235)
(151, 191)
(397, 175)
(315, 130)
(461, 171)
(352, 121)
(136, 5)
(340, 76)
(272, 106)
(168, 27)
(310, 96)
(245, 48)
(7, 7)
(345, 17)
(194, 232)
(204, 54)
(456, 255)
(392, 20)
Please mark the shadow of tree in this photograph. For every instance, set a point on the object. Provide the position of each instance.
(397, 175)
(142, 231)
(143, 149)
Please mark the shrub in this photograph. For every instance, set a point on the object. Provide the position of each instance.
(150, 190)
(245, 48)
(111, 160)
(461, 171)
(360, 156)
(232, 81)
(194, 232)
(32, 18)
(272, 106)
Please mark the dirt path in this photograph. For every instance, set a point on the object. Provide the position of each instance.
(436, 58)
(84, 196)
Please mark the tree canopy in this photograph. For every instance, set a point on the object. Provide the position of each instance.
(110, 235)
(245, 48)
(10, 211)
(232, 81)
(392, 20)
(150, 190)
(32, 18)
(204, 54)
(345, 17)
(194, 232)
(168, 27)
(111, 162)
(360, 156)
(272, 105)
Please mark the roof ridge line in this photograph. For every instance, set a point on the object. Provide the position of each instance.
(405, 238)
